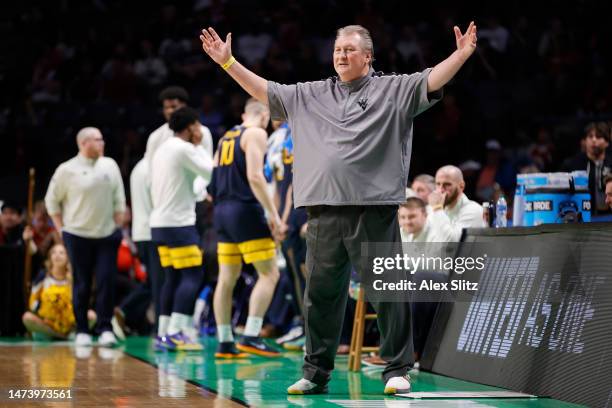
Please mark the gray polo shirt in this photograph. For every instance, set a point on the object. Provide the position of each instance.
(352, 140)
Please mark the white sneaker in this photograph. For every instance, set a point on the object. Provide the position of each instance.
(107, 339)
(397, 385)
(305, 387)
(293, 334)
(82, 340)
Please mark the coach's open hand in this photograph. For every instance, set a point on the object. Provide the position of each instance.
(466, 43)
(215, 47)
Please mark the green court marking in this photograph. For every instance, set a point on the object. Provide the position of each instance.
(262, 382)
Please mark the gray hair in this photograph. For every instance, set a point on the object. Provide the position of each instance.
(426, 179)
(86, 133)
(364, 34)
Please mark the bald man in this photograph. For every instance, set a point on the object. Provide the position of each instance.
(452, 211)
(86, 200)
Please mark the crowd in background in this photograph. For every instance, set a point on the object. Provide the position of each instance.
(538, 76)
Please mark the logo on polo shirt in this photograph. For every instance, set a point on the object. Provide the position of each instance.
(363, 103)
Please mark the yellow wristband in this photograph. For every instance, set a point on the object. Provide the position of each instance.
(437, 207)
(228, 63)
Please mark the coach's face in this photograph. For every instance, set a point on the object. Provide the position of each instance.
(171, 105)
(351, 61)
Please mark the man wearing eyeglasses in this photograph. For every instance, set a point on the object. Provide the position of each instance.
(86, 200)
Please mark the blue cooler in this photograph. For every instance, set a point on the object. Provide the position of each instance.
(582, 196)
(530, 183)
(556, 198)
(518, 206)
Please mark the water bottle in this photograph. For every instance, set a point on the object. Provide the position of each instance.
(501, 213)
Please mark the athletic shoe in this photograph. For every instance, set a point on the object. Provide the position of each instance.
(107, 339)
(292, 335)
(397, 385)
(158, 343)
(295, 345)
(177, 342)
(374, 361)
(306, 387)
(255, 345)
(227, 349)
(83, 340)
(166, 343)
(185, 343)
(118, 323)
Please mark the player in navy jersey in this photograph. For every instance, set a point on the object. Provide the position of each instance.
(242, 201)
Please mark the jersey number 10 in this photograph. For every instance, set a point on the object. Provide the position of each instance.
(227, 152)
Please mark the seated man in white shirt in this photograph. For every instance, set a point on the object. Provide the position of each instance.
(452, 211)
(413, 221)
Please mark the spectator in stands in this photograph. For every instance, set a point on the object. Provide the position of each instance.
(118, 79)
(542, 150)
(253, 45)
(596, 162)
(42, 233)
(496, 170)
(471, 171)
(86, 200)
(452, 211)
(608, 182)
(11, 229)
(149, 68)
(423, 185)
(211, 116)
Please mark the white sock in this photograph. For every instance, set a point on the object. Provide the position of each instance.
(186, 322)
(253, 326)
(162, 325)
(224, 333)
(178, 322)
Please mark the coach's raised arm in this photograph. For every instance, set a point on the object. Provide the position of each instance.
(221, 52)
